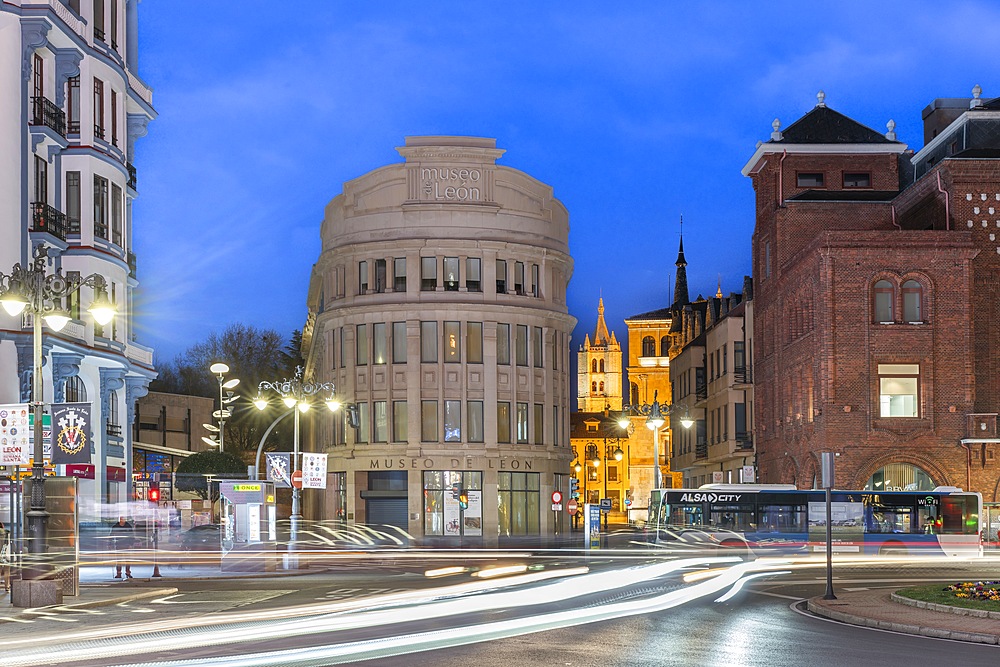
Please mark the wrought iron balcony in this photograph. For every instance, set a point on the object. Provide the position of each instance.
(701, 449)
(114, 430)
(744, 440)
(45, 112)
(701, 391)
(101, 230)
(131, 174)
(98, 34)
(130, 258)
(46, 219)
(743, 375)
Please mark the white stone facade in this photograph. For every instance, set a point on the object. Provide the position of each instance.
(71, 110)
(438, 307)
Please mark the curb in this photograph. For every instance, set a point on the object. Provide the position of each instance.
(904, 628)
(948, 609)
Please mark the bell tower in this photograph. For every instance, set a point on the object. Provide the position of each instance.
(599, 369)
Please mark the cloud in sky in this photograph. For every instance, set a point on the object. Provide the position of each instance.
(634, 112)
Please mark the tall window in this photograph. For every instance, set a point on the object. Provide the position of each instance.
(399, 274)
(518, 503)
(503, 422)
(503, 344)
(534, 280)
(379, 344)
(73, 104)
(428, 421)
(538, 342)
(474, 342)
(100, 207)
(116, 215)
(361, 345)
(452, 342)
(41, 180)
(521, 345)
(648, 346)
(473, 274)
(898, 390)
(399, 342)
(381, 433)
(539, 424)
(522, 423)
(884, 301)
(665, 346)
(913, 294)
(362, 277)
(399, 421)
(361, 433)
(428, 342)
(474, 427)
(98, 109)
(76, 391)
(114, 24)
(428, 274)
(501, 276)
(453, 421)
(114, 118)
(113, 421)
(519, 278)
(380, 276)
(99, 20)
(38, 81)
(450, 265)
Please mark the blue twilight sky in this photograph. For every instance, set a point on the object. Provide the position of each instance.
(634, 112)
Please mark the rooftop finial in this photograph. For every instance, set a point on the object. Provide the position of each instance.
(977, 90)
(821, 99)
(776, 133)
(891, 126)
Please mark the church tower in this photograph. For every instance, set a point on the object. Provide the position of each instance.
(599, 369)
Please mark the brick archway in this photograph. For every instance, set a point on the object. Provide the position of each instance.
(879, 461)
(789, 471)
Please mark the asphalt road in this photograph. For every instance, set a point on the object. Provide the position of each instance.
(759, 626)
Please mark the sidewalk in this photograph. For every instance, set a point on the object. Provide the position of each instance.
(877, 609)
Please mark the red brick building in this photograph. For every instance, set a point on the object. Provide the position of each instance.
(877, 282)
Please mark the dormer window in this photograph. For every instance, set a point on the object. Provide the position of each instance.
(810, 179)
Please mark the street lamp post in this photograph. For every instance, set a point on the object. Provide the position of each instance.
(655, 420)
(31, 290)
(297, 396)
(219, 369)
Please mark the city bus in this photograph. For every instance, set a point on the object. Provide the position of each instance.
(760, 519)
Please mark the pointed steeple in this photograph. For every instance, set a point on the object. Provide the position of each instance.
(601, 336)
(718, 292)
(681, 281)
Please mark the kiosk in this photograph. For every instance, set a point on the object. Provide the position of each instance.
(249, 530)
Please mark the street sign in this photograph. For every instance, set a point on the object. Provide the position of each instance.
(297, 479)
(571, 506)
(605, 504)
(556, 507)
(556, 497)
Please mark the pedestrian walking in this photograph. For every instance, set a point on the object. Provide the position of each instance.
(123, 539)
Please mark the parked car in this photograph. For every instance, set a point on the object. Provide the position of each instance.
(207, 537)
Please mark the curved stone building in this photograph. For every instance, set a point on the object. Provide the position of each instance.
(438, 307)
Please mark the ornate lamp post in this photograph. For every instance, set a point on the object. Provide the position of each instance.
(219, 369)
(31, 290)
(297, 397)
(654, 420)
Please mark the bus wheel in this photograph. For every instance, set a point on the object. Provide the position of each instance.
(892, 549)
(736, 548)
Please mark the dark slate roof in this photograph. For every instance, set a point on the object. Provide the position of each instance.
(823, 125)
(845, 195)
(978, 153)
(659, 314)
(990, 105)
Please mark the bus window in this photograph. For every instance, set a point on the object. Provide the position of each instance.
(927, 520)
(783, 519)
(686, 515)
(959, 515)
(734, 517)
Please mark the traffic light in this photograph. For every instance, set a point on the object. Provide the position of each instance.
(463, 500)
(574, 487)
(456, 491)
(154, 492)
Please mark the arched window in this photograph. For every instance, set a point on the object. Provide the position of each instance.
(602, 389)
(884, 311)
(665, 346)
(602, 365)
(114, 426)
(593, 387)
(648, 347)
(76, 391)
(913, 296)
(593, 365)
(633, 393)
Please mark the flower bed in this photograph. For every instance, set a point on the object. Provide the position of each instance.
(985, 591)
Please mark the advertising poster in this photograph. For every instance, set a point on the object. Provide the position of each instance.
(46, 435)
(278, 469)
(15, 434)
(592, 525)
(472, 518)
(313, 471)
(452, 515)
(73, 433)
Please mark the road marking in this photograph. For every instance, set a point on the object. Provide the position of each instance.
(857, 588)
(777, 595)
(341, 593)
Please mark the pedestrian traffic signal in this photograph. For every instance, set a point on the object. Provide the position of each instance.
(463, 500)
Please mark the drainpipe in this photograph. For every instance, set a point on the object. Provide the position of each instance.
(968, 467)
(781, 177)
(947, 205)
(894, 223)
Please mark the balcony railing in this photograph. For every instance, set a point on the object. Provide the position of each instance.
(131, 174)
(701, 391)
(744, 440)
(743, 375)
(114, 430)
(701, 449)
(101, 230)
(44, 218)
(130, 258)
(98, 34)
(72, 225)
(45, 112)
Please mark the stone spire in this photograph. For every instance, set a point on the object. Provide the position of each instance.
(681, 282)
(601, 336)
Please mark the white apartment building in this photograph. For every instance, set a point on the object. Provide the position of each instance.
(71, 109)
(438, 307)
